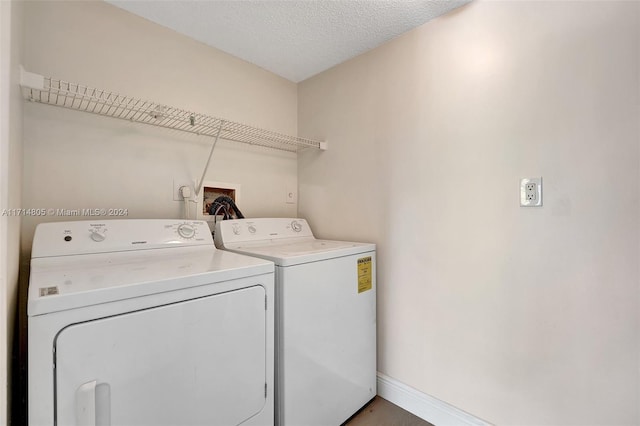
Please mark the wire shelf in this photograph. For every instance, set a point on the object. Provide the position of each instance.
(74, 96)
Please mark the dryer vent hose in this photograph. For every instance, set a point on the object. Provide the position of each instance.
(225, 206)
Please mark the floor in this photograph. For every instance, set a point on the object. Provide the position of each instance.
(381, 412)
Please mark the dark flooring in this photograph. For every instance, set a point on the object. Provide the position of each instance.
(381, 412)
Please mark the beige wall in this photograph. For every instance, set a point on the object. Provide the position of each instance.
(516, 315)
(10, 186)
(75, 160)
(428, 138)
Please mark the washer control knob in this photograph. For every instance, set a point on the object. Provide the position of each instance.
(252, 229)
(186, 231)
(236, 229)
(98, 236)
(295, 225)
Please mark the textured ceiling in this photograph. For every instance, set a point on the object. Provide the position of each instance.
(295, 39)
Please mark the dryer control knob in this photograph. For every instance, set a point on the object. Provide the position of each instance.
(236, 229)
(98, 236)
(186, 231)
(295, 225)
(252, 229)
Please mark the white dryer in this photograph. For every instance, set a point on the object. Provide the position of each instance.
(325, 318)
(144, 322)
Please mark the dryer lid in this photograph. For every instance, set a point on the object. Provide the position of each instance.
(70, 282)
(71, 267)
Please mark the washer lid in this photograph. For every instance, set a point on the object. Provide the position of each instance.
(285, 241)
(302, 251)
(68, 282)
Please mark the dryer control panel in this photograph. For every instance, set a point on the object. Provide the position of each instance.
(106, 236)
(262, 229)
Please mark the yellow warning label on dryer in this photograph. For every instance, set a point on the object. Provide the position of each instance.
(364, 274)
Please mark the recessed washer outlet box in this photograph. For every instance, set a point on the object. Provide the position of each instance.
(209, 191)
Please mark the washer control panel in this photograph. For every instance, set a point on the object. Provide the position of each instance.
(86, 237)
(242, 230)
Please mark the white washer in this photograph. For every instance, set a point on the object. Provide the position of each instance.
(144, 322)
(325, 318)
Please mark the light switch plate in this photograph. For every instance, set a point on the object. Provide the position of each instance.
(531, 192)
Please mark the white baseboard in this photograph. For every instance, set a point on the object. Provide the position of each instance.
(424, 406)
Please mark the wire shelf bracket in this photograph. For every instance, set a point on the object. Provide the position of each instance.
(51, 91)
